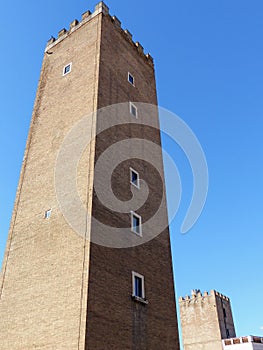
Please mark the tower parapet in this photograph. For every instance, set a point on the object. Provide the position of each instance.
(87, 16)
(196, 293)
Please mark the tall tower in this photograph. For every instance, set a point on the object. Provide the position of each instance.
(206, 320)
(61, 290)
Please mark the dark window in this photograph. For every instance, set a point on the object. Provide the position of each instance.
(67, 69)
(224, 312)
(130, 78)
(227, 333)
(138, 289)
(138, 286)
(48, 214)
(136, 224)
(134, 177)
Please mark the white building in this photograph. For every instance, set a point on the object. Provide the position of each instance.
(243, 343)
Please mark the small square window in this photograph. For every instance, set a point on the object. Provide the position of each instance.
(136, 223)
(134, 178)
(138, 285)
(131, 79)
(67, 69)
(133, 110)
(48, 213)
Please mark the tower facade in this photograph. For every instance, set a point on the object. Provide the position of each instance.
(206, 319)
(61, 289)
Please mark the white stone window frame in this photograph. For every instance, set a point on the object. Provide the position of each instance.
(138, 178)
(64, 68)
(133, 214)
(132, 105)
(134, 275)
(133, 79)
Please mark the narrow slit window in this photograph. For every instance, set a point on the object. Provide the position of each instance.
(134, 177)
(138, 285)
(133, 110)
(131, 79)
(67, 69)
(136, 223)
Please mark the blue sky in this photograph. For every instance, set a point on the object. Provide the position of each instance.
(208, 57)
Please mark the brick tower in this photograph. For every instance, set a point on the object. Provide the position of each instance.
(58, 289)
(206, 320)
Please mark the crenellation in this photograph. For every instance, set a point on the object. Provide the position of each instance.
(196, 293)
(62, 32)
(220, 295)
(149, 57)
(101, 7)
(139, 47)
(116, 21)
(51, 40)
(128, 34)
(74, 23)
(85, 15)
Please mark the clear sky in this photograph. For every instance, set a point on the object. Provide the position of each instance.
(209, 68)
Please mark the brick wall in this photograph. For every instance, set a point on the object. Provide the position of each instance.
(43, 289)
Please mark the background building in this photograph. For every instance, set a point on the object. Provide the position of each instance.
(59, 290)
(243, 343)
(206, 319)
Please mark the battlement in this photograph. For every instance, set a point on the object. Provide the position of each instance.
(101, 7)
(196, 293)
